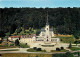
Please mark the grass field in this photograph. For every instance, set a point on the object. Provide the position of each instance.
(6, 46)
(32, 50)
(67, 39)
(75, 48)
(11, 50)
(59, 51)
(25, 55)
(24, 45)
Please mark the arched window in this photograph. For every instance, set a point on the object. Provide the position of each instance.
(47, 28)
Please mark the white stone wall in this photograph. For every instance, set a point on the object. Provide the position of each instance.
(12, 39)
(27, 40)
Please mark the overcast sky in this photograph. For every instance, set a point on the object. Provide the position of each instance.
(39, 3)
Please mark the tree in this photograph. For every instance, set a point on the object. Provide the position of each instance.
(35, 48)
(68, 54)
(77, 34)
(0, 41)
(2, 33)
(8, 34)
(38, 49)
(17, 42)
(0, 55)
(62, 48)
(70, 45)
(64, 20)
(36, 56)
(57, 49)
(76, 42)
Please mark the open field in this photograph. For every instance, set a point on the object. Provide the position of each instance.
(25, 55)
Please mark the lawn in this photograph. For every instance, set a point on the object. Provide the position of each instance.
(59, 51)
(47, 45)
(66, 39)
(25, 55)
(23, 45)
(75, 48)
(11, 50)
(32, 50)
(6, 46)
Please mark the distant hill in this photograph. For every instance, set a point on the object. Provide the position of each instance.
(63, 20)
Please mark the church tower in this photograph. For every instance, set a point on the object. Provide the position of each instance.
(47, 34)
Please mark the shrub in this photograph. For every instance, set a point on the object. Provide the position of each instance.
(36, 56)
(79, 41)
(76, 42)
(0, 41)
(68, 54)
(38, 49)
(11, 44)
(17, 42)
(70, 45)
(0, 54)
(35, 48)
(61, 39)
(26, 43)
(62, 48)
(57, 49)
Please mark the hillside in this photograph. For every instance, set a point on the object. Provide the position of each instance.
(62, 20)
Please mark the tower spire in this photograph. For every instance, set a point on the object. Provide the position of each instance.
(47, 19)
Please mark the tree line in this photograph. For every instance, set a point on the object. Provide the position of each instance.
(62, 20)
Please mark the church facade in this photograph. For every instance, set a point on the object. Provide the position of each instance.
(47, 34)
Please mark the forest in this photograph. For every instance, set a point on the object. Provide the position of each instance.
(62, 20)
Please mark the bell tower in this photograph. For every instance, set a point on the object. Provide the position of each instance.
(47, 34)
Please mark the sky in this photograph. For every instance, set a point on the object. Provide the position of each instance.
(39, 3)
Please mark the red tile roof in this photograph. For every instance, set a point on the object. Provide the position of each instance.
(15, 36)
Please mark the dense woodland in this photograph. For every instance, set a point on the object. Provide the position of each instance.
(62, 20)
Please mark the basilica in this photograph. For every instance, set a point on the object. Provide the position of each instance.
(47, 35)
(45, 40)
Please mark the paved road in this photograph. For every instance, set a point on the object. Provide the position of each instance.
(24, 50)
(1, 52)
